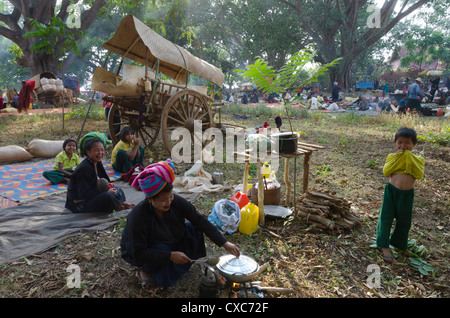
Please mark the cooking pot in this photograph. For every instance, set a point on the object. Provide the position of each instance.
(287, 142)
(239, 269)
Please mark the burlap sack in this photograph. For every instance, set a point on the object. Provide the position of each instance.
(45, 148)
(13, 153)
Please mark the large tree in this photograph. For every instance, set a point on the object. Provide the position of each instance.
(18, 21)
(348, 28)
(234, 33)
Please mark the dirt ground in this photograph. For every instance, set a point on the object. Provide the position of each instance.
(310, 261)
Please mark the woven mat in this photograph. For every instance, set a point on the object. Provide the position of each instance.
(24, 182)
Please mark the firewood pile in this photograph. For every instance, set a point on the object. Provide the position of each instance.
(326, 210)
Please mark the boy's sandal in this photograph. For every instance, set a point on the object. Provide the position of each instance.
(388, 258)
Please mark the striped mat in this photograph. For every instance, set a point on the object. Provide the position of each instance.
(21, 183)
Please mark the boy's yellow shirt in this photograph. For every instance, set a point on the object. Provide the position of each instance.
(404, 163)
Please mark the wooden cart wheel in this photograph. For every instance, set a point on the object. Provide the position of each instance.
(186, 109)
(34, 97)
(145, 129)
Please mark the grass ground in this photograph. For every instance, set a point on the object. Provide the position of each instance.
(313, 262)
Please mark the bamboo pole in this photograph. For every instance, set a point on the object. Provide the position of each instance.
(306, 171)
(287, 182)
(245, 181)
(259, 165)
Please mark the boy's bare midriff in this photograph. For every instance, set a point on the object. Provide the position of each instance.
(402, 181)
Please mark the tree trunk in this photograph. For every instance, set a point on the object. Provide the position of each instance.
(41, 11)
(346, 21)
(39, 63)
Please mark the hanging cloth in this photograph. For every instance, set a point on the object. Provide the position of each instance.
(25, 95)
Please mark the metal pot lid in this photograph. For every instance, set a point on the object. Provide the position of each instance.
(232, 265)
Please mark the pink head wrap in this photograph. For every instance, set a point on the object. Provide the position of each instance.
(155, 177)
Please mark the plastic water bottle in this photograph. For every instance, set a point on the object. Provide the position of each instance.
(266, 169)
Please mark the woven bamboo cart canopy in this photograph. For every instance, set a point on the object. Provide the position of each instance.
(137, 41)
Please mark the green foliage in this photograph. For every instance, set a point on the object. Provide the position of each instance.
(440, 138)
(425, 45)
(48, 36)
(79, 112)
(322, 170)
(372, 163)
(12, 73)
(269, 80)
(416, 259)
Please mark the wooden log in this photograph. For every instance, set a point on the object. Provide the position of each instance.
(312, 210)
(325, 196)
(302, 147)
(272, 290)
(271, 233)
(310, 145)
(308, 216)
(315, 203)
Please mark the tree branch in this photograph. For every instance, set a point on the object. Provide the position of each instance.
(88, 16)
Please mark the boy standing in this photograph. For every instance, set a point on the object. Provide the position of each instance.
(402, 168)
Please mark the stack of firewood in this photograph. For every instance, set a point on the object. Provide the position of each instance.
(326, 210)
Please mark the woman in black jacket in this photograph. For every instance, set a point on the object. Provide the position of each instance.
(82, 193)
(157, 238)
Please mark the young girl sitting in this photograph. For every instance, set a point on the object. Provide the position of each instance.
(65, 162)
(127, 152)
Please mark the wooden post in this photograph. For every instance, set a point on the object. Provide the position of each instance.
(306, 171)
(245, 181)
(259, 165)
(295, 182)
(286, 181)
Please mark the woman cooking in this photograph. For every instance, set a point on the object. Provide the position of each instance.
(82, 193)
(156, 237)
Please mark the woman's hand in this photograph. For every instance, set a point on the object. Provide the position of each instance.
(179, 258)
(232, 249)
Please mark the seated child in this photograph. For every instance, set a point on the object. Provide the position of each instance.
(402, 168)
(127, 152)
(402, 106)
(65, 162)
(103, 185)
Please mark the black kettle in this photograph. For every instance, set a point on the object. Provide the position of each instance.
(209, 286)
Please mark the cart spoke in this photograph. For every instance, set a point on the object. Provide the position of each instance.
(199, 109)
(180, 115)
(180, 102)
(151, 136)
(191, 106)
(203, 115)
(176, 120)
